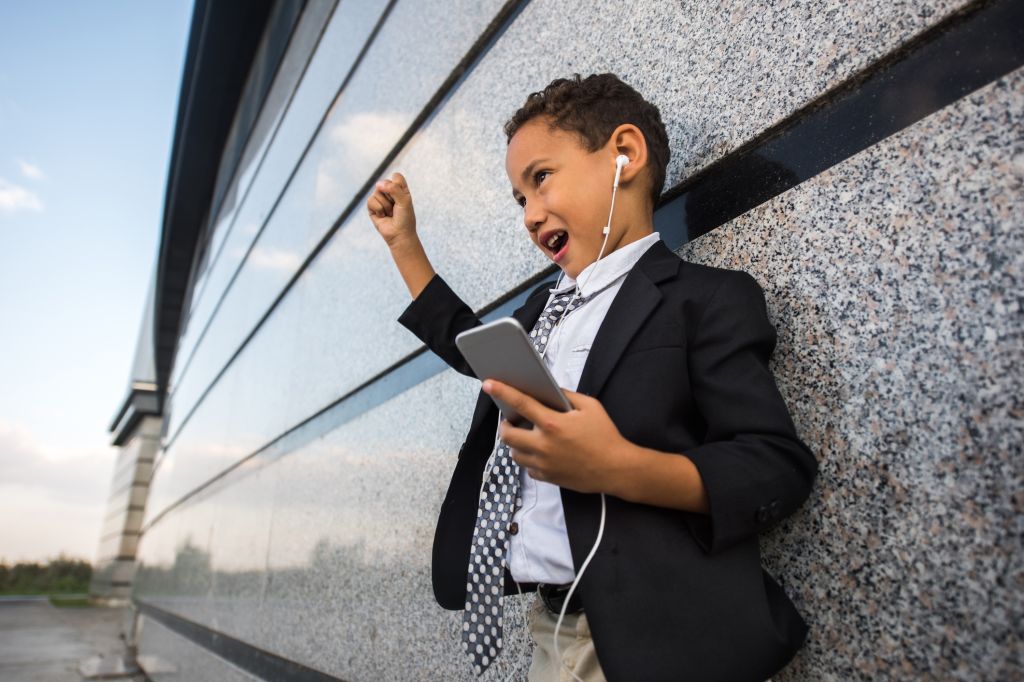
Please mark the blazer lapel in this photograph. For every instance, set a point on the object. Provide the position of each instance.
(635, 301)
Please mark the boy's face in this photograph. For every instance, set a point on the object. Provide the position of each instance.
(565, 192)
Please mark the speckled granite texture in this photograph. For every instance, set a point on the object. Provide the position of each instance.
(721, 74)
(896, 281)
(180, 660)
(323, 555)
(358, 130)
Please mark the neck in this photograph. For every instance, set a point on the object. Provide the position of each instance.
(616, 241)
(633, 231)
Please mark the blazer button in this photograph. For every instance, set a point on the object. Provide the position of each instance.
(762, 514)
(774, 509)
(513, 528)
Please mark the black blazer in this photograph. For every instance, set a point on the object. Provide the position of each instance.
(681, 365)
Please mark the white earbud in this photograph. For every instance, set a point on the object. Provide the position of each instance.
(621, 161)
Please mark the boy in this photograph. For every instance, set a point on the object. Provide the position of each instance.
(677, 423)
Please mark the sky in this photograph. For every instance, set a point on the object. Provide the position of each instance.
(88, 99)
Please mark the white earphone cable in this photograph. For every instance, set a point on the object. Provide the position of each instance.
(600, 529)
(572, 588)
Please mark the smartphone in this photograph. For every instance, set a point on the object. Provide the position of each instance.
(501, 350)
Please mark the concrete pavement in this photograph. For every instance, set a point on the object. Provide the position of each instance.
(40, 642)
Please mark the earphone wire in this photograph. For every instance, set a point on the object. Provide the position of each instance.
(600, 527)
(572, 590)
(578, 293)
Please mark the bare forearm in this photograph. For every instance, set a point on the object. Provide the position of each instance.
(660, 479)
(412, 263)
(390, 209)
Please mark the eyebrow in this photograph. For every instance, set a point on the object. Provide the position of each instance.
(528, 171)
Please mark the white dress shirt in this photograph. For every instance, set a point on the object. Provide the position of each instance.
(539, 551)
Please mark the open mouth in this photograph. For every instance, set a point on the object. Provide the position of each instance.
(556, 243)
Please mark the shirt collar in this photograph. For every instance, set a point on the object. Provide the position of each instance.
(609, 268)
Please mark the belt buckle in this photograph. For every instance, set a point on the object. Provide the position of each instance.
(553, 597)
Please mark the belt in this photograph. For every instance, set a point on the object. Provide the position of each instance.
(552, 596)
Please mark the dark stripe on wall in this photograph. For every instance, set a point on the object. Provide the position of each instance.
(277, 39)
(381, 20)
(509, 11)
(967, 51)
(222, 43)
(226, 183)
(254, 660)
(405, 374)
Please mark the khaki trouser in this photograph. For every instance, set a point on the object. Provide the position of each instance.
(574, 643)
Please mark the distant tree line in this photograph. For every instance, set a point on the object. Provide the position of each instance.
(60, 576)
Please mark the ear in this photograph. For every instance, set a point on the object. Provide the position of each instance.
(629, 140)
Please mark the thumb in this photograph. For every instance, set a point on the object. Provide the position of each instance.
(398, 189)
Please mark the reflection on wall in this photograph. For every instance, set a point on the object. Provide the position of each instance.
(293, 513)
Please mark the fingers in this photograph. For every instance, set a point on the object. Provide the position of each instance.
(396, 189)
(578, 400)
(389, 192)
(525, 441)
(379, 206)
(529, 408)
(530, 463)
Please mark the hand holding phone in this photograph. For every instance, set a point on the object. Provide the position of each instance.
(501, 350)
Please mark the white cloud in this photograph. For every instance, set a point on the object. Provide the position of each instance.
(76, 477)
(16, 198)
(274, 259)
(31, 171)
(46, 528)
(355, 145)
(58, 499)
(364, 138)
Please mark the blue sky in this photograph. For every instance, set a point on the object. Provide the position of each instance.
(88, 97)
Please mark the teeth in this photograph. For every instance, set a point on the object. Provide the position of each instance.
(554, 238)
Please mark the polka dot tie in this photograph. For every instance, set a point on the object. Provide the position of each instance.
(499, 498)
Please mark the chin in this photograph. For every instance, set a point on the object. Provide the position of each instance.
(572, 272)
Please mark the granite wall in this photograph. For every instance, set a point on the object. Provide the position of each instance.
(895, 281)
(308, 447)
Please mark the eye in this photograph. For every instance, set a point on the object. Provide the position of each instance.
(521, 201)
(540, 176)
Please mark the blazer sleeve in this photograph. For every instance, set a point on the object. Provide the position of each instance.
(436, 317)
(754, 468)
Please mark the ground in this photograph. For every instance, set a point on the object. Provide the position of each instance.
(40, 642)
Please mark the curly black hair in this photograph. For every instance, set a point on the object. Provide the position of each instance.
(593, 107)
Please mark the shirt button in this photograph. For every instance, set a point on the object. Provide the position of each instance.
(513, 528)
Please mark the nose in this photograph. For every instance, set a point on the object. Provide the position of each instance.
(533, 216)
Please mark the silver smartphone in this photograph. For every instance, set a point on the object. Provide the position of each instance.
(501, 350)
